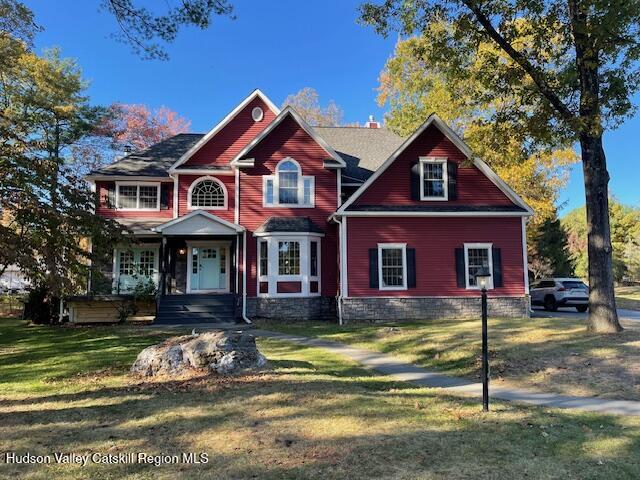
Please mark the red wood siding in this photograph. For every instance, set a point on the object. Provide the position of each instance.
(185, 181)
(102, 188)
(435, 240)
(233, 137)
(289, 140)
(289, 287)
(393, 187)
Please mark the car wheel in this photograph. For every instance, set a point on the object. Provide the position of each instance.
(582, 308)
(550, 303)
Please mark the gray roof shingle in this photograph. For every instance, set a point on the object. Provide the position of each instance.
(363, 149)
(155, 160)
(288, 224)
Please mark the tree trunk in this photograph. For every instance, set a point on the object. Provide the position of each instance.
(603, 317)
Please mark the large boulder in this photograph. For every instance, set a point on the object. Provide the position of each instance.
(218, 352)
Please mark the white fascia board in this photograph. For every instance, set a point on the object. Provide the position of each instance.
(430, 214)
(237, 160)
(288, 234)
(230, 116)
(245, 163)
(126, 178)
(435, 120)
(202, 171)
(205, 214)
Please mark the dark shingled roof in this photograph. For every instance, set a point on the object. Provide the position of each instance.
(141, 225)
(155, 160)
(288, 224)
(363, 149)
(435, 208)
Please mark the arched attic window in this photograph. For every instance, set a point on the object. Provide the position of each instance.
(288, 187)
(208, 193)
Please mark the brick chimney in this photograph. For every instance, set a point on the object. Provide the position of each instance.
(372, 123)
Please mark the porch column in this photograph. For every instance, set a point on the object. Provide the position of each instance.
(163, 266)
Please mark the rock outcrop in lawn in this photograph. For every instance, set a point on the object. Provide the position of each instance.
(218, 352)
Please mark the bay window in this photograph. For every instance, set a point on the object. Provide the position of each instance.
(288, 260)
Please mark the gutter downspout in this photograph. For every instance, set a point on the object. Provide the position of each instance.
(341, 242)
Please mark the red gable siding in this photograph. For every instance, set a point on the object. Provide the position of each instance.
(185, 181)
(290, 140)
(393, 186)
(435, 240)
(233, 137)
(102, 191)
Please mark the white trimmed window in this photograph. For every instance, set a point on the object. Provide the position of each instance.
(207, 193)
(289, 258)
(433, 178)
(392, 266)
(137, 196)
(477, 257)
(133, 266)
(288, 187)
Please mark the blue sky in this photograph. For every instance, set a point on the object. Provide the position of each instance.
(279, 47)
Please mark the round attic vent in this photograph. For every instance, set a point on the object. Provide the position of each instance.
(257, 114)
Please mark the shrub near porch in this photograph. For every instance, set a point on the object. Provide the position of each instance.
(312, 415)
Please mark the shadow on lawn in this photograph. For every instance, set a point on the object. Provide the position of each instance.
(310, 416)
(564, 354)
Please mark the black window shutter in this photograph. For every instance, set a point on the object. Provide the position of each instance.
(460, 276)
(415, 181)
(373, 268)
(164, 196)
(497, 267)
(111, 195)
(452, 180)
(411, 268)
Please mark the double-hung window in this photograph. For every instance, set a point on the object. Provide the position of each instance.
(477, 259)
(392, 266)
(288, 258)
(433, 178)
(141, 196)
(288, 187)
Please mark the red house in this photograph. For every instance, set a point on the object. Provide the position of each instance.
(266, 216)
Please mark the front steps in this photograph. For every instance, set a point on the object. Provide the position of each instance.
(196, 309)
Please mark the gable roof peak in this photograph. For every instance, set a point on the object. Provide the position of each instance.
(286, 112)
(257, 93)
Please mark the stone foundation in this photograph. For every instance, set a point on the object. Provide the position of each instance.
(292, 308)
(429, 308)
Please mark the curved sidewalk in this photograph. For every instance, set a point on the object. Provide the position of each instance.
(408, 372)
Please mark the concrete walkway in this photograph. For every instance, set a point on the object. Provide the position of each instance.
(408, 372)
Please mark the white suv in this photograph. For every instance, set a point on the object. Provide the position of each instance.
(560, 292)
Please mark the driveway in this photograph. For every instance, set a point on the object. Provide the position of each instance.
(538, 312)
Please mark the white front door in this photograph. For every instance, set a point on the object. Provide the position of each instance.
(208, 268)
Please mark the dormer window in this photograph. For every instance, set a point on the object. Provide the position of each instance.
(433, 178)
(288, 187)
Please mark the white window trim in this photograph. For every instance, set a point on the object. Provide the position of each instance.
(138, 185)
(202, 179)
(276, 187)
(445, 177)
(274, 277)
(489, 247)
(403, 246)
(136, 259)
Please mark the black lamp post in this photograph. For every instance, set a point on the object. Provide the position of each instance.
(482, 280)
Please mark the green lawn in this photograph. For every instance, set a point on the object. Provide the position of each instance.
(548, 354)
(309, 415)
(628, 297)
